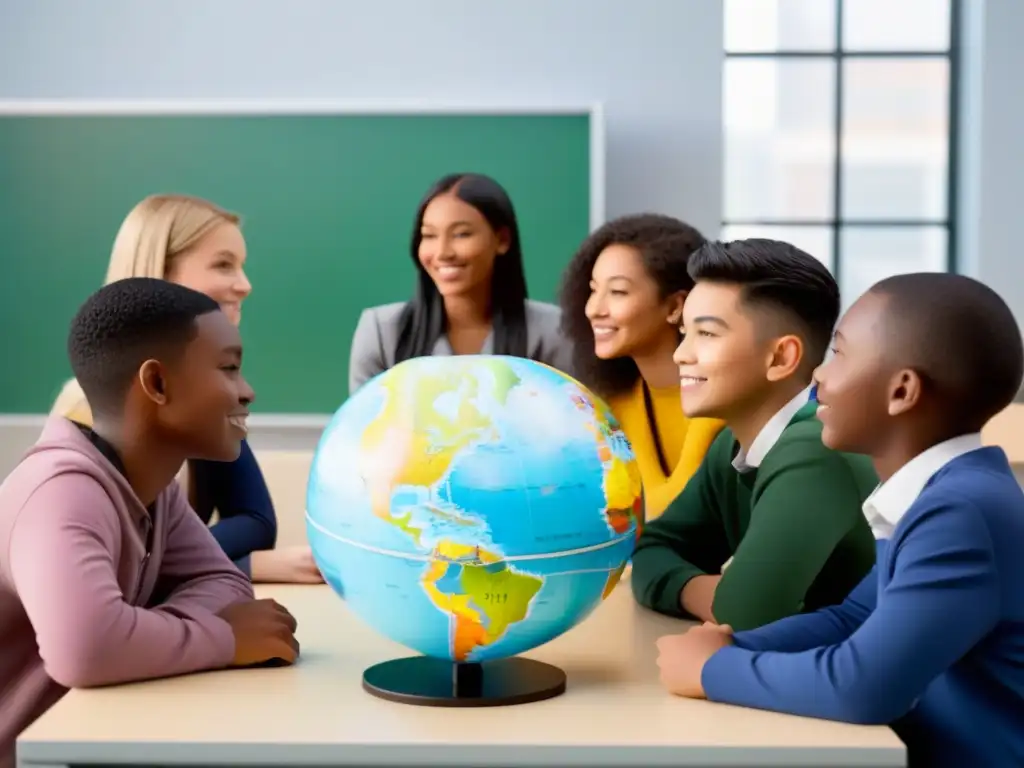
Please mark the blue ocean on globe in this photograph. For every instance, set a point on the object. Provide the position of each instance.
(473, 507)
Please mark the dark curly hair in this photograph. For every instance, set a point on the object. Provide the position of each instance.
(665, 245)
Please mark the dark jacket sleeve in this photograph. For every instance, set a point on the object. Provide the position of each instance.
(247, 522)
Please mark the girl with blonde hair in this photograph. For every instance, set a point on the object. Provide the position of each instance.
(195, 243)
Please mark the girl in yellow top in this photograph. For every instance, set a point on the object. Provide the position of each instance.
(622, 298)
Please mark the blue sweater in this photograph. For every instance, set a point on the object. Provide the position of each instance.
(238, 492)
(931, 642)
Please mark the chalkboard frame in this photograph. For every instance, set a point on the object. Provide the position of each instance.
(594, 111)
(256, 107)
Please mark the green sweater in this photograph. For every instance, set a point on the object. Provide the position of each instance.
(794, 528)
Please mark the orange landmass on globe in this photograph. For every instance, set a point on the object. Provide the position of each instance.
(467, 629)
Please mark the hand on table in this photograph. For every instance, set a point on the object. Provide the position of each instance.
(681, 658)
(264, 631)
(287, 565)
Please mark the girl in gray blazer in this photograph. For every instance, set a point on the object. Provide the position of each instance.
(470, 293)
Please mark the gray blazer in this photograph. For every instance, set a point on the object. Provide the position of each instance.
(376, 336)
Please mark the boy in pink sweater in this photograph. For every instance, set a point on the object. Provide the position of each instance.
(106, 574)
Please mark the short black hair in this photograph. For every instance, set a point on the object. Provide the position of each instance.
(961, 338)
(780, 277)
(122, 325)
(664, 244)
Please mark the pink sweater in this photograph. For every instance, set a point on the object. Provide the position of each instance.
(82, 604)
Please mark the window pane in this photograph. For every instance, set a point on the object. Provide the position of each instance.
(870, 254)
(780, 25)
(817, 241)
(895, 138)
(779, 138)
(896, 25)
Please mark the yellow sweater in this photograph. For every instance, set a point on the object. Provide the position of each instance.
(685, 441)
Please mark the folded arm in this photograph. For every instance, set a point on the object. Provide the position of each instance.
(247, 522)
(827, 626)
(943, 568)
(686, 542)
(195, 574)
(62, 564)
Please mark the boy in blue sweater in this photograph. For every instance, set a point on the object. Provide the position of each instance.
(932, 641)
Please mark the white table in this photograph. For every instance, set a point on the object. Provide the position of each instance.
(614, 712)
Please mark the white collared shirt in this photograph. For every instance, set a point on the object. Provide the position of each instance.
(744, 461)
(890, 501)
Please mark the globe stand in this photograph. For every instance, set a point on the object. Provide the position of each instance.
(439, 683)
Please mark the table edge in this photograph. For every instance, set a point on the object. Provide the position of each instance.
(40, 753)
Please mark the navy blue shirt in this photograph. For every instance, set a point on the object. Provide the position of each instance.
(931, 642)
(236, 489)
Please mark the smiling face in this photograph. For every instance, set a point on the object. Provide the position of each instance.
(205, 398)
(854, 383)
(625, 309)
(216, 266)
(729, 358)
(458, 246)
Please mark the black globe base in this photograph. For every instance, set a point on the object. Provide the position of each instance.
(438, 683)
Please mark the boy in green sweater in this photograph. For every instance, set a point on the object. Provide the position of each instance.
(771, 523)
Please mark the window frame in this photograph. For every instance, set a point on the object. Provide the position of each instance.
(836, 222)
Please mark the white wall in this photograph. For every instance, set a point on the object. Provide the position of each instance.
(656, 65)
(992, 161)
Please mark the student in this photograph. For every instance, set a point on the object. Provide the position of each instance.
(107, 574)
(470, 293)
(932, 641)
(771, 523)
(195, 243)
(622, 297)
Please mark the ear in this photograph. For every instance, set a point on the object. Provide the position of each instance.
(504, 241)
(904, 391)
(675, 308)
(153, 381)
(784, 357)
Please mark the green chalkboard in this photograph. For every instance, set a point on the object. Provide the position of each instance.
(327, 203)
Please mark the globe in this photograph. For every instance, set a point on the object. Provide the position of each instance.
(473, 507)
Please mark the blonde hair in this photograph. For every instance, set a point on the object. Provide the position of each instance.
(156, 232)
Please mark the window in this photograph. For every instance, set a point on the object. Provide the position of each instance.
(838, 132)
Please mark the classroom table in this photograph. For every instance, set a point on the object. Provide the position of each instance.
(613, 713)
